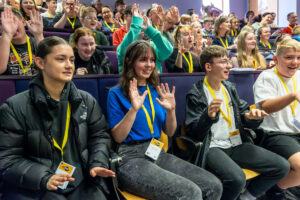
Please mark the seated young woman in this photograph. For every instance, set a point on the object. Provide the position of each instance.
(53, 137)
(183, 59)
(88, 58)
(88, 19)
(248, 55)
(235, 27)
(221, 33)
(109, 24)
(139, 108)
(264, 34)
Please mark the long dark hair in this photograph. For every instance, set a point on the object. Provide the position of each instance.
(133, 52)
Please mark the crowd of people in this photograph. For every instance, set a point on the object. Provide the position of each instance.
(55, 142)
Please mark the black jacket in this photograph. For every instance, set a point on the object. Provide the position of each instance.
(99, 63)
(26, 146)
(198, 123)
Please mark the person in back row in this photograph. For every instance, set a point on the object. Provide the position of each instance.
(139, 111)
(89, 59)
(88, 19)
(221, 33)
(53, 137)
(141, 28)
(17, 49)
(50, 14)
(217, 116)
(277, 92)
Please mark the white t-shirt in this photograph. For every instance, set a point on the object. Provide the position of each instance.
(220, 130)
(268, 86)
(45, 14)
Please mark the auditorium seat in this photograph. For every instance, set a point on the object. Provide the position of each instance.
(7, 88)
(112, 55)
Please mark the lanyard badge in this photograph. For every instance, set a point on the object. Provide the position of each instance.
(235, 138)
(224, 45)
(65, 168)
(154, 149)
(190, 63)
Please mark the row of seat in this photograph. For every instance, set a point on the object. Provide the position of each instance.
(98, 86)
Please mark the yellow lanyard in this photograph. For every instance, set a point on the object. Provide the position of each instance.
(150, 123)
(233, 33)
(268, 43)
(227, 118)
(225, 46)
(49, 16)
(155, 26)
(190, 63)
(123, 22)
(205, 34)
(72, 23)
(18, 57)
(293, 105)
(255, 63)
(66, 133)
(112, 29)
(290, 27)
(260, 25)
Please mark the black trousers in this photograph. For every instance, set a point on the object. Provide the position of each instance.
(227, 165)
(86, 190)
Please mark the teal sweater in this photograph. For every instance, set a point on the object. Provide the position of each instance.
(161, 45)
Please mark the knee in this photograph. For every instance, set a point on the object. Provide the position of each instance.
(193, 191)
(284, 167)
(237, 182)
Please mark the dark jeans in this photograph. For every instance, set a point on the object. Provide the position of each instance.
(227, 163)
(86, 190)
(169, 178)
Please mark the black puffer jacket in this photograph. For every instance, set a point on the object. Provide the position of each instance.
(198, 123)
(26, 147)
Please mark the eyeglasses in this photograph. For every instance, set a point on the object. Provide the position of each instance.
(223, 62)
(91, 18)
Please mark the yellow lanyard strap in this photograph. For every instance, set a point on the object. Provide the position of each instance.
(233, 33)
(227, 118)
(123, 22)
(66, 133)
(225, 46)
(49, 16)
(18, 57)
(72, 23)
(290, 27)
(292, 105)
(268, 43)
(150, 123)
(190, 63)
(112, 29)
(255, 63)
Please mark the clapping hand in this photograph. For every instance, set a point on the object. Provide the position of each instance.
(197, 49)
(102, 172)
(181, 48)
(167, 98)
(135, 11)
(256, 114)
(214, 108)
(135, 98)
(58, 180)
(9, 23)
(35, 24)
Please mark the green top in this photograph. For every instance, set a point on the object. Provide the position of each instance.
(161, 45)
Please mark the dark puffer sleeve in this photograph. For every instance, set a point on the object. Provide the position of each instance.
(15, 168)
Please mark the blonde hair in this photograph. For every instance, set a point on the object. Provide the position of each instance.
(86, 10)
(242, 55)
(248, 28)
(286, 45)
(179, 30)
(185, 17)
(296, 30)
(193, 25)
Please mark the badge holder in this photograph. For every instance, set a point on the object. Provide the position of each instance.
(65, 168)
(154, 149)
(235, 138)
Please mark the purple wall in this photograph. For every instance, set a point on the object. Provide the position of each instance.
(183, 5)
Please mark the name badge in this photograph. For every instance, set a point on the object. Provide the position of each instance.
(154, 149)
(296, 123)
(65, 168)
(235, 138)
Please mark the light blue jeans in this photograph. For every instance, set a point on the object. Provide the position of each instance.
(168, 178)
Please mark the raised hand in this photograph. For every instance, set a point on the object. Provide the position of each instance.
(256, 114)
(9, 23)
(197, 49)
(81, 71)
(214, 108)
(135, 11)
(77, 8)
(117, 23)
(118, 16)
(167, 98)
(35, 25)
(181, 48)
(58, 180)
(146, 22)
(174, 14)
(135, 98)
(102, 172)
(209, 41)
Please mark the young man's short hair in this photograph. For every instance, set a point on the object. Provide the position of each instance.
(211, 52)
(286, 45)
(290, 14)
(86, 10)
(50, 0)
(208, 19)
(15, 11)
(127, 11)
